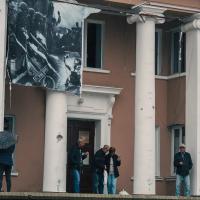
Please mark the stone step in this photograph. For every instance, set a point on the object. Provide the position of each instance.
(70, 196)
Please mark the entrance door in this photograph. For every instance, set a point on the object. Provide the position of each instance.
(76, 129)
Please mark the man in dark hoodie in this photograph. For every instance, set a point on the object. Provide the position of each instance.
(6, 163)
(99, 167)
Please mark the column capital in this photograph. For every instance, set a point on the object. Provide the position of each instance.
(148, 12)
(191, 23)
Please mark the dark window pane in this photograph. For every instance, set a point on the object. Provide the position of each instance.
(183, 53)
(8, 124)
(176, 140)
(176, 52)
(94, 41)
(183, 135)
(179, 66)
(156, 53)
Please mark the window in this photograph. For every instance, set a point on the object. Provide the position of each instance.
(177, 138)
(158, 51)
(157, 150)
(94, 36)
(9, 125)
(177, 53)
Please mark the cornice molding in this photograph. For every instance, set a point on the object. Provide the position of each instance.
(152, 10)
(147, 12)
(192, 23)
(101, 90)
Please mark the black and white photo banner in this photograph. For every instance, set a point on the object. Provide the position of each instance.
(45, 43)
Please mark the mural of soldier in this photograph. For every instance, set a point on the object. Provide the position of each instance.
(31, 15)
(21, 37)
(52, 23)
(45, 39)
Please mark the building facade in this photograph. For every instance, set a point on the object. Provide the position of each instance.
(140, 94)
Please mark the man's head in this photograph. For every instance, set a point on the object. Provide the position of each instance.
(112, 150)
(81, 142)
(182, 148)
(105, 148)
(23, 7)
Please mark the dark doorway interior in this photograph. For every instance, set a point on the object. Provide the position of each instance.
(77, 128)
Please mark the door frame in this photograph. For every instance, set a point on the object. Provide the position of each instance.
(96, 104)
(102, 128)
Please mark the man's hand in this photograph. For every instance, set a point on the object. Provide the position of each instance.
(180, 163)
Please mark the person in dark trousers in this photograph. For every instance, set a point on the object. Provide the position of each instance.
(183, 165)
(76, 157)
(99, 167)
(6, 163)
(112, 161)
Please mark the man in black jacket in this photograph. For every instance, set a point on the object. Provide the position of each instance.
(99, 166)
(183, 164)
(76, 157)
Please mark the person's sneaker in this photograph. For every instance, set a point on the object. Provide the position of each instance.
(123, 192)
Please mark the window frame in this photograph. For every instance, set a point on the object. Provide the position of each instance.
(173, 31)
(102, 23)
(159, 55)
(157, 151)
(14, 171)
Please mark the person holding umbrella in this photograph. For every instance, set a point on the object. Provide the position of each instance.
(7, 147)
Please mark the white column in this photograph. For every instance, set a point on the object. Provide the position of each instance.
(144, 154)
(108, 120)
(3, 32)
(192, 29)
(55, 154)
(144, 144)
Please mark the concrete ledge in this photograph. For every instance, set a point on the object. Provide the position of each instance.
(69, 196)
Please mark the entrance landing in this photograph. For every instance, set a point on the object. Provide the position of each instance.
(69, 196)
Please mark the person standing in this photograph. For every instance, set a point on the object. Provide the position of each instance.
(99, 167)
(6, 163)
(76, 157)
(183, 164)
(112, 163)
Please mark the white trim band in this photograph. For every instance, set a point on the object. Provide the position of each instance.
(173, 76)
(101, 89)
(96, 70)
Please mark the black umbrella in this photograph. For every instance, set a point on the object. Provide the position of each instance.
(7, 139)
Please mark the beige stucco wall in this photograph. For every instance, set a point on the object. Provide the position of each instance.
(28, 105)
(176, 101)
(119, 57)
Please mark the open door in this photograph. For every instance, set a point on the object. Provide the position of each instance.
(76, 129)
